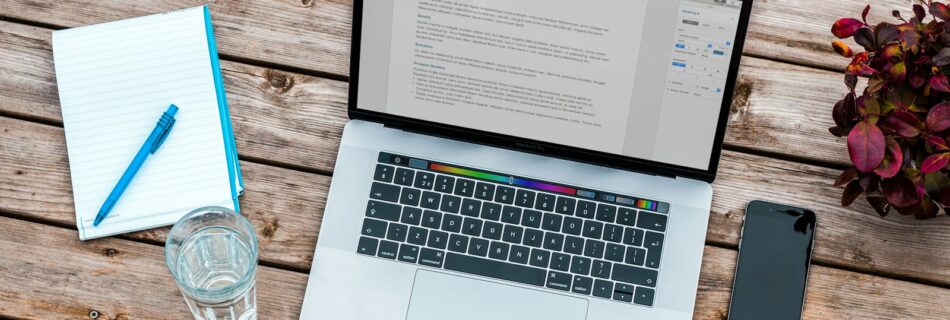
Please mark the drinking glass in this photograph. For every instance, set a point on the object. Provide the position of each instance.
(212, 254)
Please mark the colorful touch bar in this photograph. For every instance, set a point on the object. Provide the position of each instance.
(645, 204)
(543, 186)
(469, 173)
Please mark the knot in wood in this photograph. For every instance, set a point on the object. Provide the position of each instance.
(307, 3)
(111, 252)
(280, 81)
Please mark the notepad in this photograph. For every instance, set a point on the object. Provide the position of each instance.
(115, 80)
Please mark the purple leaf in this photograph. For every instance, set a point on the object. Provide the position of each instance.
(866, 146)
(934, 162)
(938, 119)
(846, 27)
(893, 158)
(851, 192)
(900, 191)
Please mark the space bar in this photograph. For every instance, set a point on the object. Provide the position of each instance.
(495, 269)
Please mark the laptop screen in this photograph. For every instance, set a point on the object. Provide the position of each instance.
(642, 79)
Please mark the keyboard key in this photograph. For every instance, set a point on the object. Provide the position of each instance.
(424, 180)
(633, 237)
(387, 249)
(531, 218)
(430, 200)
(397, 232)
(383, 210)
(385, 192)
(560, 262)
(652, 221)
(519, 254)
(495, 269)
(593, 229)
(458, 243)
(451, 223)
(623, 292)
(491, 211)
(643, 296)
(403, 177)
(574, 245)
(613, 232)
(524, 198)
(408, 253)
(634, 275)
(653, 242)
(511, 215)
(451, 204)
(565, 205)
(512, 234)
(553, 241)
(614, 252)
(484, 191)
(498, 250)
(582, 285)
(586, 209)
(627, 216)
(374, 228)
(464, 187)
(478, 247)
(545, 202)
(410, 197)
(533, 238)
(559, 280)
(594, 248)
(572, 226)
(367, 246)
(472, 227)
(540, 258)
(492, 230)
(384, 173)
(636, 256)
(431, 219)
(471, 207)
(603, 289)
(551, 222)
(417, 236)
(600, 269)
(505, 195)
(580, 265)
(444, 184)
(606, 213)
(430, 257)
(438, 239)
(411, 215)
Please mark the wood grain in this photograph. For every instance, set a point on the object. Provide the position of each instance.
(307, 34)
(284, 206)
(47, 273)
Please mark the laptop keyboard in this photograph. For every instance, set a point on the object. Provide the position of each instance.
(576, 240)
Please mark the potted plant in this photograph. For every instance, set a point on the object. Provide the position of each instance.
(898, 126)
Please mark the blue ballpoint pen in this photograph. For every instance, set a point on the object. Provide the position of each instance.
(155, 140)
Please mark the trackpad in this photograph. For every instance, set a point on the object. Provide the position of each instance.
(439, 296)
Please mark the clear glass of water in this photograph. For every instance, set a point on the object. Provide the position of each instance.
(212, 254)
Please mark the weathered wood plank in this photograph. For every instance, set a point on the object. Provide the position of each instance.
(285, 206)
(270, 109)
(47, 273)
(308, 34)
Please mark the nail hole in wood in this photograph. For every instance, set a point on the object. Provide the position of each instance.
(93, 314)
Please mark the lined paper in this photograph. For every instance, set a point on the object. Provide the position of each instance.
(115, 81)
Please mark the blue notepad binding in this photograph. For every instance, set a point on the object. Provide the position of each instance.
(234, 168)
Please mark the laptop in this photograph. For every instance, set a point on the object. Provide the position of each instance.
(528, 159)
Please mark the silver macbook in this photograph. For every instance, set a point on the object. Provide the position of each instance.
(528, 159)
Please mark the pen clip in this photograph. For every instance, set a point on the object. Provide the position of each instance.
(166, 129)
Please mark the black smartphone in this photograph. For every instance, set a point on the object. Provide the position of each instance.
(774, 254)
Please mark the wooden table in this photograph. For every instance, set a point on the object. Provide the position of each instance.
(285, 69)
